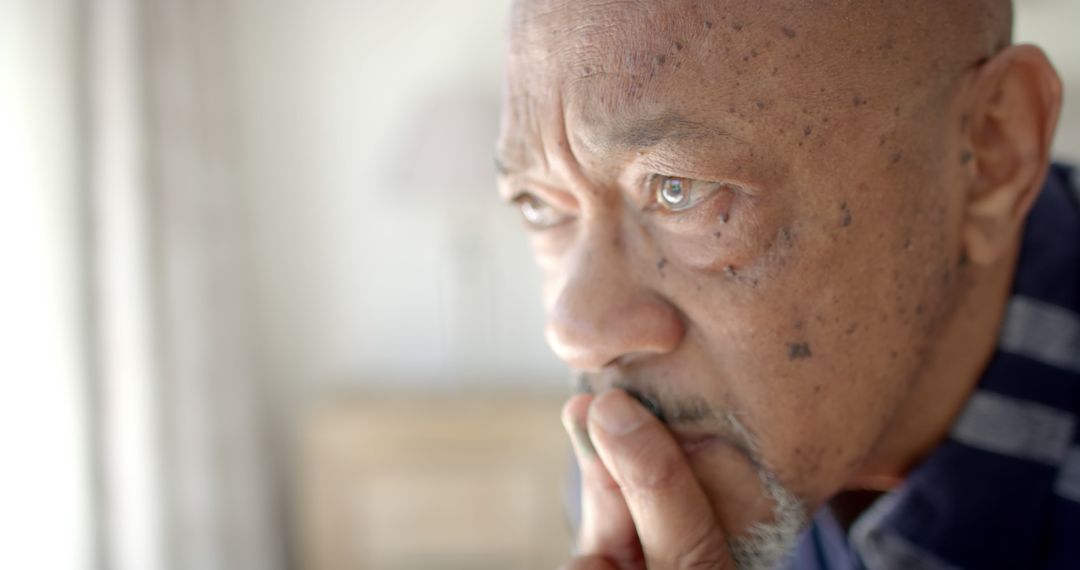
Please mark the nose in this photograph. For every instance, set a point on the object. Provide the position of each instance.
(603, 314)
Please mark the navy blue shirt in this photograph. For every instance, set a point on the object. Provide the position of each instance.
(1003, 490)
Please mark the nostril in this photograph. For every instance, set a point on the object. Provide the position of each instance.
(579, 351)
(606, 332)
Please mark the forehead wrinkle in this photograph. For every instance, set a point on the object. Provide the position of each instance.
(557, 32)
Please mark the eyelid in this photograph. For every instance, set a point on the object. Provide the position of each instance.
(521, 197)
(701, 190)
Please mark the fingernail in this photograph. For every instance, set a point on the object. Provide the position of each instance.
(583, 441)
(617, 413)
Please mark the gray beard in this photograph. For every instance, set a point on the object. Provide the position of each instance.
(769, 544)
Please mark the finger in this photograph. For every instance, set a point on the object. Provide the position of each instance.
(589, 563)
(674, 520)
(606, 526)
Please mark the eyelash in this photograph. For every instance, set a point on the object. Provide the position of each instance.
(525, 200)
(658, 187)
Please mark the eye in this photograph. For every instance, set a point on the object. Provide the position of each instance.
(538, 214)
(678, 194)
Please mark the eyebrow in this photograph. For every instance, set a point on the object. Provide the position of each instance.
(638, 133)
(649, 131)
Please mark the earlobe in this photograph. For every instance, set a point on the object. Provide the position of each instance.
(1016, 100)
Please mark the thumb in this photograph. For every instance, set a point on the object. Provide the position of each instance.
(674, 520)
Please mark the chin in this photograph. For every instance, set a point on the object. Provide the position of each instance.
(765, 544)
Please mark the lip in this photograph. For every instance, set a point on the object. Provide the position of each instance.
(693, 444)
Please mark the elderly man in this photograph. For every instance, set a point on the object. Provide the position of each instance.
(814, 273)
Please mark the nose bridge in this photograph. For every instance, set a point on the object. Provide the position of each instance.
(605, 310)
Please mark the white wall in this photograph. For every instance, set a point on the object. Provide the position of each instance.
(367, 275)
(1051, 24)
(382, 257)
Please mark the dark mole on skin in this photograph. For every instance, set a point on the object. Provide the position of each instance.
(708, 25)
(845, 220)
(729, 271)
(737, 27)
(798, 350)
(786, 237)
(807, 130)
(790, 33)
(966, 156)
(661, 264)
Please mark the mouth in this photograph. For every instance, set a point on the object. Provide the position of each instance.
(695, 444)
(697, 438)
(700, 439)
(690, 435)
(696, 427)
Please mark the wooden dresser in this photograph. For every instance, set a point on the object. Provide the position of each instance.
(451, 483)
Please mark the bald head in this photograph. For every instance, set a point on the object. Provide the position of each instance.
(898, 39)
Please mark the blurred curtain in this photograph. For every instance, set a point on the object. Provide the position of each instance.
(45, 483)
(184, 476)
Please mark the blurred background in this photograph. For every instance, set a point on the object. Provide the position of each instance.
(260, 306)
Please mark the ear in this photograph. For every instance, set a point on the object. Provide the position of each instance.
(1015, 102)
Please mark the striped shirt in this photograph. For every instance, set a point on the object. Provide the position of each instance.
(1003, 490)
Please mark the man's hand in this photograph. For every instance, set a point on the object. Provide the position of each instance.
(641, 505)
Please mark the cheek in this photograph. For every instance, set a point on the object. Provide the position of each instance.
(726, 238)
(820, 360)
(733, 488)
(821, 441)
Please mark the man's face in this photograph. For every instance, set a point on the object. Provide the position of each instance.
(742, 215)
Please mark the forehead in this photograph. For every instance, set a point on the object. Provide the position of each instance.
(621, 52)
(627, 74)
